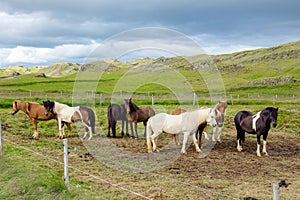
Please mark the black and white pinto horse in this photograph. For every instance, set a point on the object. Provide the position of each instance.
(66, 115)
(258, 124)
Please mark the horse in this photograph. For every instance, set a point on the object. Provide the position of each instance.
(116, 112)
(67, 114)
(34, 111)
(174, 137)
(258, 124)
(137, 114)
(186, 123)
(220, 108)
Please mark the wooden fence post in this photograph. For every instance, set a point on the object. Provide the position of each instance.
(66, 164)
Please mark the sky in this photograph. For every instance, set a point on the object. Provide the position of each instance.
(36, 32)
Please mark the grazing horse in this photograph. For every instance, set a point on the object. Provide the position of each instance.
(138, 114)
(186, 123)
(34, 111)
(116, 112)
(258, 124)
(67, 114)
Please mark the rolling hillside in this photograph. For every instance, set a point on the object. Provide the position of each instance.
(271, 70)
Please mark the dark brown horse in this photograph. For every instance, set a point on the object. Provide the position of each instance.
(116, 112)
(137, 114)
(34, 111)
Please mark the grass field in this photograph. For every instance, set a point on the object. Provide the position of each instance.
(27, 175)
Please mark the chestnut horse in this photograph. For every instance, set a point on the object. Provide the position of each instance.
(138, 114)
(34, 111)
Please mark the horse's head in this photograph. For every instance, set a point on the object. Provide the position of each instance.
(15, 107)
(127, 105)
(211, 120)
(273, 116)
(49, 105)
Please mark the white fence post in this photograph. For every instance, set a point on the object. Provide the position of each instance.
(152, 100)
(194, 99)
(100, 101)
(1, 147)
(276, 191)
(66, 164)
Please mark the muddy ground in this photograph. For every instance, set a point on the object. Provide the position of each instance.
(223, 173)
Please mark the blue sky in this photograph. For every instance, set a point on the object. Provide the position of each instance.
(35, 32)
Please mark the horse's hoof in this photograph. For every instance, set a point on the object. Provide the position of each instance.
(239, 149)
(183, 152)
(266, 154)
(258, 154)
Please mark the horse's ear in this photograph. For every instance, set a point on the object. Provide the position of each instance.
(276, 109)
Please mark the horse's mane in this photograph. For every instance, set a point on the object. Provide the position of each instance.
(133, 107)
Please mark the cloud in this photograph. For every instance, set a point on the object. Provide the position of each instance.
(39, 32)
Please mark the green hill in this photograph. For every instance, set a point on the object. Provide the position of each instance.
(266, 70)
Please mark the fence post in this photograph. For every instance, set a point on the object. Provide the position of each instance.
(194, 99)
(152, 99)
(1, 147)
(276, 191)
(66, 164)
(231, 99)
(100, 101)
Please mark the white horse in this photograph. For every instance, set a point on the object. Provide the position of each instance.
(186, 123)
(67, 114)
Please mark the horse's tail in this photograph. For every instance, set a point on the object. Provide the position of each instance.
(92, 119)
(149, 134)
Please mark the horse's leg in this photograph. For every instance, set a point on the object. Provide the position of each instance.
(240, 137)
(258, 145)
(145, 125)
(154, 139)
(122, 131)
(185, 138)
(219, 134)
(59, 122)
(109, 127)
(265, 144)
(132, 131)
(176, 139)
(69, 128)
(195, 142)
(113, 128)
(135, 128)
(35, 133)
(126, 123)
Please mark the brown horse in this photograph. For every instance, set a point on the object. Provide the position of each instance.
(138, 114)
(34, 111)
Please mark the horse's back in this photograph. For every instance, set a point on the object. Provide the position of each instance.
(38, 111)
(243, 120)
